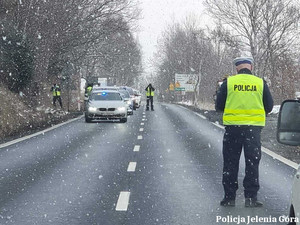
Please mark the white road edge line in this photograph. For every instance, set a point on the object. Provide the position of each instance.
(38, 133)
(218, 125)
(280, 158)
(141, 129)
(183, 107)
(140, 137)
(131, 167)
(271, 153)
(123, 201)
(265, 150)
(136, 148)
(201, 116)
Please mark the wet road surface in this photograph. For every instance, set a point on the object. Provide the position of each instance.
(161, 167)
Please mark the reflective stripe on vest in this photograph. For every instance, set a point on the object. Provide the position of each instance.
(244, 103)
(149, 92)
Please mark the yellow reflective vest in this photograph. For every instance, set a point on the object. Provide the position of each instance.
(89, 90)
(149, 92)
(244, 102)
(56, 91)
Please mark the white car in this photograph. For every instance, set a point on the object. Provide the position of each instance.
(288, 132)
(126, 96)
(138, 98)
(108, 105)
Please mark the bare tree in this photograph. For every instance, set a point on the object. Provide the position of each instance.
(268, 30)
(266, 27)
(189, 50)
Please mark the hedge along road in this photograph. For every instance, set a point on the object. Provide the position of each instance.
(161, 167)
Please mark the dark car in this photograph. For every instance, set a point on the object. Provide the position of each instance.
(132, 96)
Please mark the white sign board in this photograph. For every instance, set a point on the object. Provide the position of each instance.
(187, 81)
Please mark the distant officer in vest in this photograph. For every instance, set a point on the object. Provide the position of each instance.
(150, 94)
(245, 100)
(89, 89)
(56, 93)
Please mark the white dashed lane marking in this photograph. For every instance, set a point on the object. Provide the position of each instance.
(123, 201)
(131, 167)
(140, 137)
(141, 129)
(136, 148)
(142, 124)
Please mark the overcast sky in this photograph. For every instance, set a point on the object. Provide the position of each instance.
(157, 14)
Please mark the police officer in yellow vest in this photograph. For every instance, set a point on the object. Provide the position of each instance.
(89, 89)
(56, 93)
(245, 99)
(150, 94)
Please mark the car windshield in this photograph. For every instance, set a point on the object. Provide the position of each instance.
(124, 93)
(106, 96)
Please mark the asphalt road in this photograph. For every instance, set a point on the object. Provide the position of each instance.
(161, 167)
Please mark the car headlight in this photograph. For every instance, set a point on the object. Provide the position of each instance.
(122, 109)
(92, 109)
(129, 102)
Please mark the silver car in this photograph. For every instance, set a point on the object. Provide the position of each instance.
(106, 105)
(126, 96)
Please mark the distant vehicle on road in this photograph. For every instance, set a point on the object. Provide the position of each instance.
(126, 96)
(108, 105)
(138, 98)
(131, 92)
(288, 132)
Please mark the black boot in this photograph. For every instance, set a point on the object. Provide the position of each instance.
(227, 202)
(253, 202)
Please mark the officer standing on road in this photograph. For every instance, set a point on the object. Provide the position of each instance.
(150, 93)
(56, 93)
(245, 100)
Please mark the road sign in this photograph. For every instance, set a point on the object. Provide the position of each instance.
(187, 81)
(180, 89)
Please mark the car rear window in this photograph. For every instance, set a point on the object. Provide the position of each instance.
(124, 93)
(106, 96)
(129, 89)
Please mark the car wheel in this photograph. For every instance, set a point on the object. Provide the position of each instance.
(123, 120)
(88, 120)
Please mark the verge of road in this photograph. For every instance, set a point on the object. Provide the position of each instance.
(22, 136)
(289, 155)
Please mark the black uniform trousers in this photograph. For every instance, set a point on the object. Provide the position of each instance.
(149, 99)
(236, 138)
(57, 98)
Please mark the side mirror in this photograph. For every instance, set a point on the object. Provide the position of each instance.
(288, 126)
